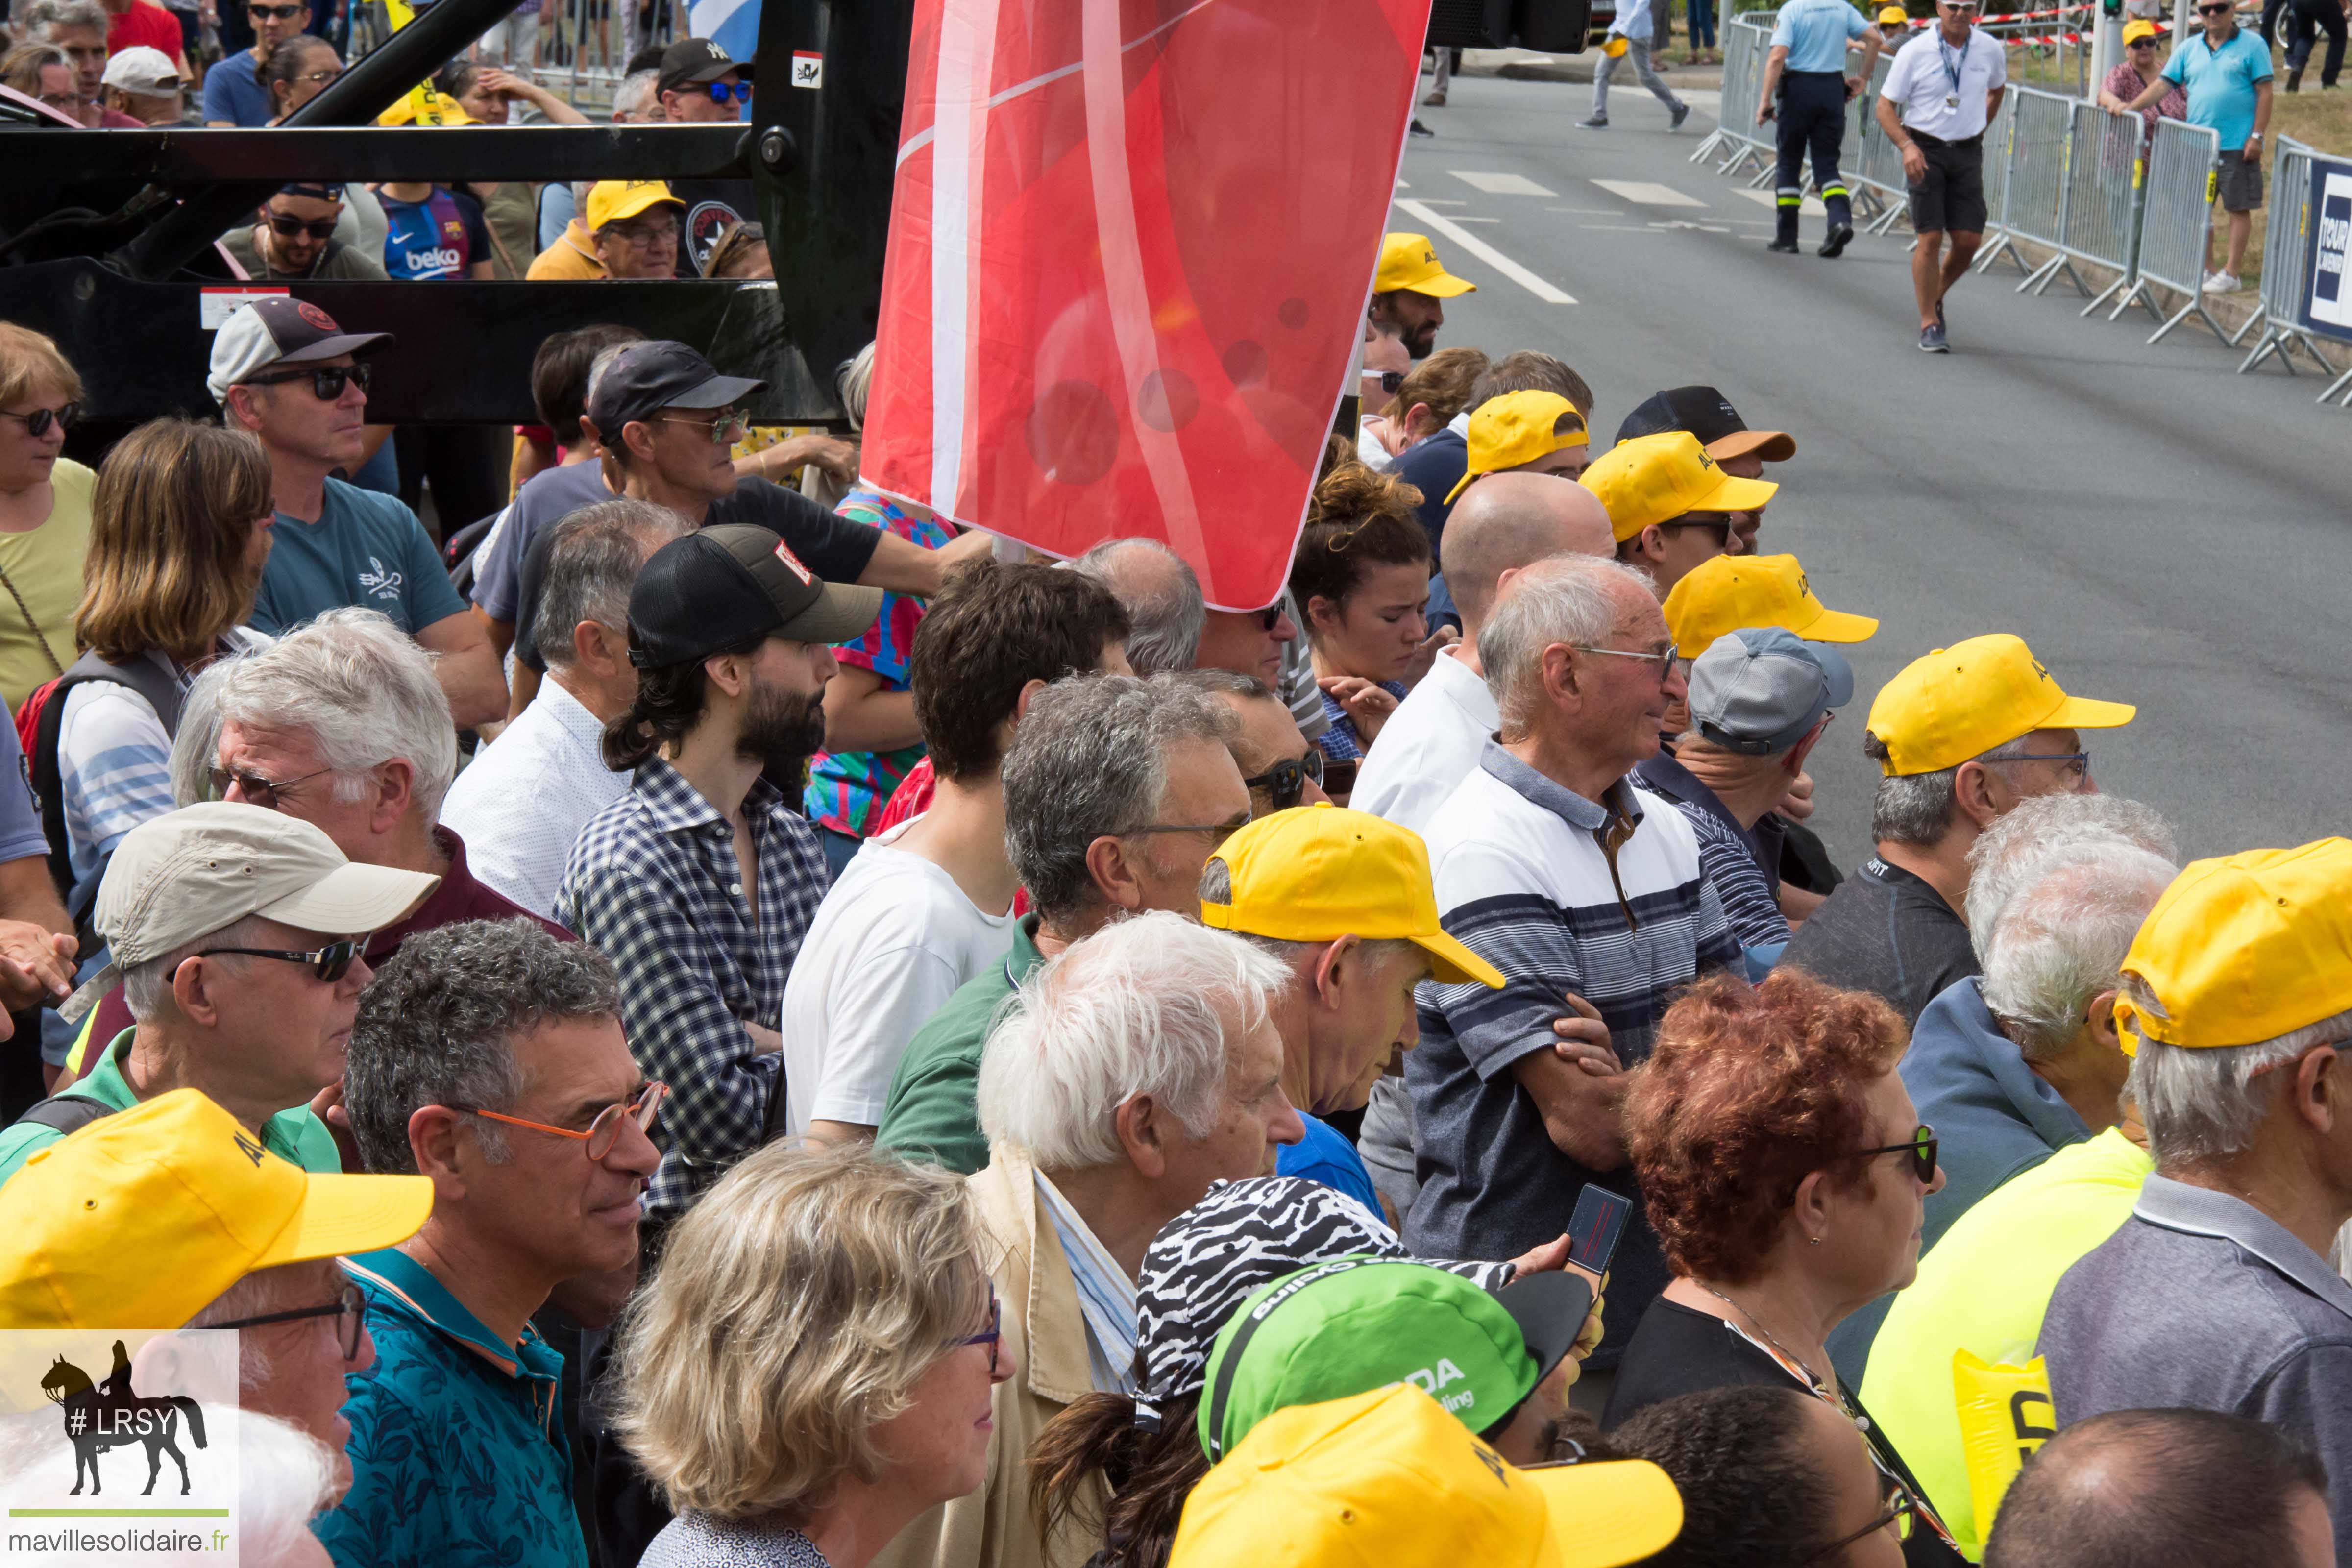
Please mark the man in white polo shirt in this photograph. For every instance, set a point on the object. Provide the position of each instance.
(1943, 89)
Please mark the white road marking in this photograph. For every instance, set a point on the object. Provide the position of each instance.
(1587, 212)
(1617, 227)
(1493, 258)
(1647, 194)
(1501, 184)
(1465, 217)
(1812, 206)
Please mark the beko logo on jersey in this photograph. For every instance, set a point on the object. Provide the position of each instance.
(442, 257)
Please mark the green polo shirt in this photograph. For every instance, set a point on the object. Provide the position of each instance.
(295, 1134)
(933, 1110)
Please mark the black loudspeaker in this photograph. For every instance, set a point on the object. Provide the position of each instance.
(1554, 26)
(1470, 24)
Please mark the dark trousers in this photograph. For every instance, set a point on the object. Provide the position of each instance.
(466, 464)
(2272, 11)
(2304, 22)
(1811, 117)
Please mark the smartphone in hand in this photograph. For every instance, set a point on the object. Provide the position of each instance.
(1594, 1229)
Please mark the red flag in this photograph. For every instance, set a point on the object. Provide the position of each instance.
(1131, 245)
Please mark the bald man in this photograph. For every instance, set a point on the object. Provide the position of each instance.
(1501, 526)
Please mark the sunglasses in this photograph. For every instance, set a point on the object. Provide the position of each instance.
(38, 421)
(2143, 43)
(257, 790)
(1287, 781)
(993, 1336)
(323, 228)
(276, 13)
(1921, 1148)
(1716, 522)
(1267, 619)
(327, 381)
(348, 1307)
(605, 1130)
(720, 92)
(1389, 380)
(2215, 10)
(721, 426)
(329, 962)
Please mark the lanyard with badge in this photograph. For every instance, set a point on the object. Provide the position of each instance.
(1952, 74)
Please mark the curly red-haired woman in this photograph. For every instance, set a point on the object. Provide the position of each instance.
(1784, 1169)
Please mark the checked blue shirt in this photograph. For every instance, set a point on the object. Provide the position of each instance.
(654, 885)
(1526, 878)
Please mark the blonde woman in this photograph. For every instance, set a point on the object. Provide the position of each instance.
(44, 512)
(179, 537)
(836, 1308)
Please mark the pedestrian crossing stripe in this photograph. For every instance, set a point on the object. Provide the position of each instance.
(1647, 194)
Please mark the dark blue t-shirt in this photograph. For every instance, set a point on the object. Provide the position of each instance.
(439, 236)
(233, 92)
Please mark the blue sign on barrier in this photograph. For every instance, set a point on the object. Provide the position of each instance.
(2327, 298)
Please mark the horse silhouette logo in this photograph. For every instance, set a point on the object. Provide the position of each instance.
(108, 1415)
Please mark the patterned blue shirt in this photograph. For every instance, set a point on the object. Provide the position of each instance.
(1105, 1294)
(1339, 741)
(1731, 870)
(655, 886)
(457, 1456)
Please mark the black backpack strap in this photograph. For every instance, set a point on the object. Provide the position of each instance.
(66, 1113)
(150, 675)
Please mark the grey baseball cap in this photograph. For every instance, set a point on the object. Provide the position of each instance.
(1757, 690)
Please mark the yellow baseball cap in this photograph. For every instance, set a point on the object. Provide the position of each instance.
(1317, 873)
(1897, 16)
(1516, 428)
(1389, 1477)
(1730, 593)
(2244, 948)
(1961, 702)
(404, 112)
(2139, 28)
(1408, 262)
(1652, 479)
(611, 201)
(142, 1218)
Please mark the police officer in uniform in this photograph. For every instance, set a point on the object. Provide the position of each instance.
(1807, 70)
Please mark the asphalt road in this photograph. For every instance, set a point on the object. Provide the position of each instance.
(2161, 530)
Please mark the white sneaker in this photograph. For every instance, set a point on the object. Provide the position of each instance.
(2223, 283)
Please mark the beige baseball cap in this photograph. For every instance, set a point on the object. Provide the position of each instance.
(197, 869)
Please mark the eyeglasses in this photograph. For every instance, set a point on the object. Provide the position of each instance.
(605, 1130)
(276, 13)
(2077, 763)
(722, 426)
(1287, 781)
(329, 962)
(2215, 10)
(644, 237)
(289, 226)
(1921, 1148)
(1218, 831)
(326, 381)
(257, 790)
(1660, 660)
(348, 1307)
(1897, 1506)
(993, 1336)
(1389, 380)
(1716, 522)
(38, 421)
(322, 78)
(723, 92)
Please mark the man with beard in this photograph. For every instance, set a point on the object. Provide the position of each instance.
(700, 883)
(1407, 291)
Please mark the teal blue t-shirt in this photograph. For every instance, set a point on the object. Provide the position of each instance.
(1814, 33)
(366, 549)
(2221, 83)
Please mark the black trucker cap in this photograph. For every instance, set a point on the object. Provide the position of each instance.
(729, 583)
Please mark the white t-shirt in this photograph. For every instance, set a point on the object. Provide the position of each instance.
(1429, 745)
(891, 942)
(1921, 81)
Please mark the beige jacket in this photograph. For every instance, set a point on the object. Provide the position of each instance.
(994, 1528)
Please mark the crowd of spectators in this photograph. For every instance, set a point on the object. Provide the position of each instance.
(756, 1024)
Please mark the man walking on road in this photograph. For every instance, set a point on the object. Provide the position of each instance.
(1629, 34)
(1944, 89)
(2228, 75)
(1807, 70)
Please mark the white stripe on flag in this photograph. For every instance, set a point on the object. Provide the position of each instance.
(967, 56)
(1121, 247)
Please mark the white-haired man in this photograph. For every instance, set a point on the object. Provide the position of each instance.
(2217, 1293)
(1139, 1066)
(1540, 858)
(1161, 598)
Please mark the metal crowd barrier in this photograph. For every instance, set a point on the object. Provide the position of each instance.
(1746, 39)
(2284, 266)
(2177, 216)
(2103, 193)
(2032, 157)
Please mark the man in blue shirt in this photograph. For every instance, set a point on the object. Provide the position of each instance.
(1806, 68)
(283, 369)
(2228, 75)
(235, 94)
(1345, 900)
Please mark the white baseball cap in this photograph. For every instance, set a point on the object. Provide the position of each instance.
(140, 68)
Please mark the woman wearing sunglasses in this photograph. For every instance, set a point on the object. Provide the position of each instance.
(44, 499)
(835, 1305)
(1784, 1172)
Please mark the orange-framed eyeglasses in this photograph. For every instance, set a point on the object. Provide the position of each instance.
(602, 1132)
